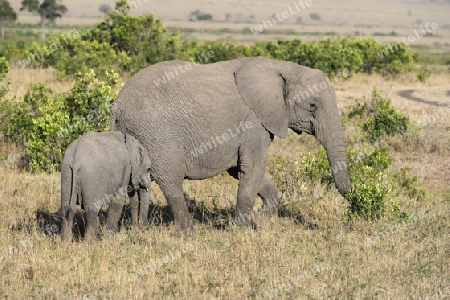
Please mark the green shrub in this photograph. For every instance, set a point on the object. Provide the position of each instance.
(127, 43)
(221, 51)
(381, 117)
(378, 159)
(408, 184)
(372, 195)
(5, 105)
(88, 103)
(326, 55)
(423, 74)
(35, 123)
(85, 55)
(369, 196)
(317, 167)
(120, 42)
(4, 68)
(45, 123)
(286, 174)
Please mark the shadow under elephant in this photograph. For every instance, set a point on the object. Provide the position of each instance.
(49, 223)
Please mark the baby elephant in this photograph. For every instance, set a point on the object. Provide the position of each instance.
(101, 168)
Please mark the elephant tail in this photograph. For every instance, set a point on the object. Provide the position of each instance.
(73, 190)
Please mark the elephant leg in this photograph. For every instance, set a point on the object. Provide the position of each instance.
(269, 196)
(92, 224)
(67, 223)
(114, 213)
(174, 195)
(144, 203)
(134, 206)
(251, 172)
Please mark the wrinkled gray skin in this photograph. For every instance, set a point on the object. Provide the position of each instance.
(101, 168)
(173, 119)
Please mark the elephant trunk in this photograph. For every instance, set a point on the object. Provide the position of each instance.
(331, 137)
(338, 163)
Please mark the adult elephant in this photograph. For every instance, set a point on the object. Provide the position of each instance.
(200, 120)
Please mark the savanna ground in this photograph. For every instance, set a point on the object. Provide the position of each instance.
(310, 253)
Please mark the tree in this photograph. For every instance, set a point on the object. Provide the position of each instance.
(205, 17)
(47, 10)
(194, 14)
(104, 8)
(314, 16)
(228, 17)
(7, 14)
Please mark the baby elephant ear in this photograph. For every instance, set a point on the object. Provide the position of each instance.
(135, 158)
(145, 161)
(261, 86)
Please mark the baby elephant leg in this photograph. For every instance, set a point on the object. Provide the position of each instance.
(114, 213)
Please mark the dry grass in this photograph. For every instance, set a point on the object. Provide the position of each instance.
(312, 254)
(21, 79)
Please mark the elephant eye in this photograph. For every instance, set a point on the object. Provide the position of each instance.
(312, 106)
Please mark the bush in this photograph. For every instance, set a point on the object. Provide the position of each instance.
(5, 106)
(45, 123)
(369, 198)
(379, 117)
(349, 54)
(286, 174)
(120, 42)
(408, 184)
(35, 123)
(423, 74)
(374, 186)
(317, 167)
(222, 51)
(127, 43)
(4, 68)
(88, 103)
(85, 55)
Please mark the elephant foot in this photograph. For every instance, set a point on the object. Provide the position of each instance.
(270, 207)
(90, 239)
(108, 233)
(186, 229)
(185, 232)
(91, 236)
(190, 231)
(140, 223)
(66, 236)
(112, 228)
(243, 222)
(262, 221)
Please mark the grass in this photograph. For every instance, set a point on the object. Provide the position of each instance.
(309, 252)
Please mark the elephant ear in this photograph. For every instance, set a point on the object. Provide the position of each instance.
(262, 87)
